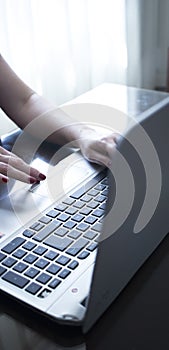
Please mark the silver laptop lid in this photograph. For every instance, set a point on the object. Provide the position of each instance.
(137, 209)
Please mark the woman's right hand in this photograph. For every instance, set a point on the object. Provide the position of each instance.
(11, 166)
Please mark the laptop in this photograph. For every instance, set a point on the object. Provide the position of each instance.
(70, 245)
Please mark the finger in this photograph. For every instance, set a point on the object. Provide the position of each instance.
(11, 172)
(111, 138)
(3, 179)
(100, 160)
(6, 152)
(19, 164)
(103, 153)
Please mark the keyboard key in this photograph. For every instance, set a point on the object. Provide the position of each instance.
(36, 226)
(86, 198)
(100, 198)
(100, 187)
(93, 204)
(93, 192)
(46, 231)
(63, 217)
(2, 270)
(2, 256)
(20, 267)
(43, 278)
(63, 260)
(29, 245)
(79, 193)
(28, 233)
(57, 242)
(30, 258)
(40, 250)
(53, 213)
(33, 225)
(105, 192)
(83, 255)
(45, 219)
(42, 263)
(92, 246)
(61, 231)
(98, 213)
(77, 246)
(85, 211)
(51, 255)
(54, 269)
(73, 264)
(54, 283)
(83, 226)
(79, 204)
(9, 262)
(61, 207)
(90, 220)
(64, 273)
(68, 201)
(33, 288)
(103, 206)
(105, 181)
(15, 243)
(90, 234)
(74, 234)
(69, 224)
(20, 253)
(71, 211)
(32, 272)
(15, 279)
(78, 217)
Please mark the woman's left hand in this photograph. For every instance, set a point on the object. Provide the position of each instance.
(11, 166)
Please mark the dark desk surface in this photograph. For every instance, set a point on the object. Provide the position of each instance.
(137, 320)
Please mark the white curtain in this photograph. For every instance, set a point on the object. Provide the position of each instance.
(63, 48)
(147, 33)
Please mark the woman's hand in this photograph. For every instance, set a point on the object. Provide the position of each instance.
(14, 167)
(96, 148)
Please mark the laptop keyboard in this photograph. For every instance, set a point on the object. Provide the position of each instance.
(47, 252)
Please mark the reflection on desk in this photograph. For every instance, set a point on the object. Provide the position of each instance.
(24, 330)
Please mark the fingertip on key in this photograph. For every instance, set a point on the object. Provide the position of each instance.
(42, 176)
(32, 180)
(4, 179)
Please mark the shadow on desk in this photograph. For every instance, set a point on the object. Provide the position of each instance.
(137, 320)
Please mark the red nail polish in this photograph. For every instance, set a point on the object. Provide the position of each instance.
(4, 179)
(32, 180)
(42, 176)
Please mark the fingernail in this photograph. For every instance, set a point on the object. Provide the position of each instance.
(42, 176)
(32, 180)
(4, 179)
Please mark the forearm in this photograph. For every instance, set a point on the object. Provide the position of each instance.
(45, 121)
(31, 111)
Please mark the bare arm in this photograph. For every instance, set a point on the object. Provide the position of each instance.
(40, 117)
(23, 106)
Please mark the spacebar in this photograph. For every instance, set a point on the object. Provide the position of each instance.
(58, 243)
